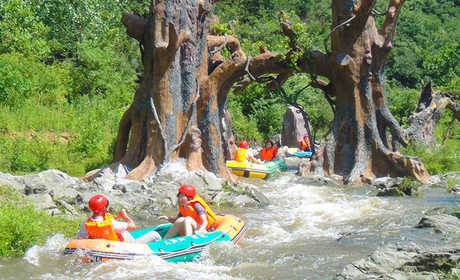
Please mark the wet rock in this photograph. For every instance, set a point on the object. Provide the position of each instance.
(317, 180)
(388, 186)
(441, 223)
(241, 195)
(403, 262)
(455, 190)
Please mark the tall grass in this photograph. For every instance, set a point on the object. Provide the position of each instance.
(21, 225)
(74, 138)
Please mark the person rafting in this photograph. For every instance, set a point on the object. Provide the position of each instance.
(269, 152)
(305, 144)
(195, 216)
(243, 155)
(102, 225)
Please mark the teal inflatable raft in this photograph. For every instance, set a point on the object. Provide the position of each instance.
(178, 249)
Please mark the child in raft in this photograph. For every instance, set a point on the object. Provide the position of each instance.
(269, 152)
(102, 225)
(195, 216)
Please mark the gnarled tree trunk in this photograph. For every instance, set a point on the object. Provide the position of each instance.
(357, 148)
(179, 109)
(431, 106)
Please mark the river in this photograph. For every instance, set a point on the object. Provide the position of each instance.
(308, 232)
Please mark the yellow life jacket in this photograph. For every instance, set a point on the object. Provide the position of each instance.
(102, 230)
(188, 211)
(241, 155)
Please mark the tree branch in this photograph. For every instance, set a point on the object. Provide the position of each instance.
(391, 18)
(134, 26)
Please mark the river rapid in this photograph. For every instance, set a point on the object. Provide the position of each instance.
(308, 232)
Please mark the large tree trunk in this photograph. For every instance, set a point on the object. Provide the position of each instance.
(179, 109)
(357, 148)
(431, 106)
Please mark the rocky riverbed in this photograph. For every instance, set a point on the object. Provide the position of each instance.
(427, 245)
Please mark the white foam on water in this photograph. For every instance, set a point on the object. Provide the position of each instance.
(52, 249)
(300, 210)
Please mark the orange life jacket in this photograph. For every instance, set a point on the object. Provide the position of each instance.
(240, 155)
(102, 230)
(188, 211)
(305, 144)
(268, 154)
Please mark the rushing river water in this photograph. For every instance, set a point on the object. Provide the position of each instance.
(308, 232)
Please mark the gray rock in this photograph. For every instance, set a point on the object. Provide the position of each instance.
(67, 207)
(293, 128)
(441, 223)
(403, 262)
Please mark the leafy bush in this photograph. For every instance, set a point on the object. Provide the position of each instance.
(438, 160)
(23, 78)
(22, 226)
(21, 31)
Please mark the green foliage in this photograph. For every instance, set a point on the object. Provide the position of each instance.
(222, 28)
(26, 79)
(437, 160)
(21, 31)
(22, 226)
(408, 186)
(402, 102)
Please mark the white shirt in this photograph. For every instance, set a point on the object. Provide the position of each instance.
(119, 227)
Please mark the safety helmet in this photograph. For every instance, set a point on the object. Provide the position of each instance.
(188, 191)
(98, 204)
(244, 144)
(306, 136)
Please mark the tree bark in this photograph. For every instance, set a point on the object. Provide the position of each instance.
(356, 147)
(431, 106)
(179, 108)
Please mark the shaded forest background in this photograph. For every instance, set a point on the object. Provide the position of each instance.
(68, 71)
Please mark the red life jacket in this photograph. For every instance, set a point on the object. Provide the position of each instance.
(188, 211)
(102, 230)
(268, 154)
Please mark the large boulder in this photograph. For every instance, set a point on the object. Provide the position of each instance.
(293, 128)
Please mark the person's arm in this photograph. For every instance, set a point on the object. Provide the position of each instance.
(252, 158)
(170, 219)
(202, 228)
(201, 211)
(127, 219)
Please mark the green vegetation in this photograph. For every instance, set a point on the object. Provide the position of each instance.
(21, 225)
(69, 71)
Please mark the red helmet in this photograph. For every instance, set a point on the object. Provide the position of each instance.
(188, 190)
(306, 136)
(98, 204)
(244, 144)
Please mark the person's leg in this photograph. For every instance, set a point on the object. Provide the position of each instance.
(176, 227)
(190, 226)
(149, 237)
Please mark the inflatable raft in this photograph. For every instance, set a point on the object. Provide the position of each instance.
(178, 249)
(253, 170)
(295, 152)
